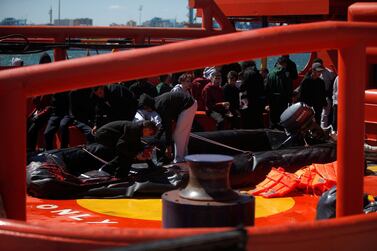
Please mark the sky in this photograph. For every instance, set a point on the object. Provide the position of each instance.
(103, 12)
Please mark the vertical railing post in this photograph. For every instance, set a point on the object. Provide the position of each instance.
(352, 67)
(13, 152)
(60, 53)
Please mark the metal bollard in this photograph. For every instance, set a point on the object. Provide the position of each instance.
(207, 200)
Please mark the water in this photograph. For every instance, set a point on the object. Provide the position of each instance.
(29, 59)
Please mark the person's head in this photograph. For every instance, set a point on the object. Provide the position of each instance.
(263, 72)
(185, 80)
(149, 128)
(282, 61)
(165, 79)
(17, 62)
(232, 77)
(317, 69)
(198, 73)
(45, 58)
(248, 64)
(207, 72)
(146, 102)
(216, 77)
(318, 60)
(99, 91)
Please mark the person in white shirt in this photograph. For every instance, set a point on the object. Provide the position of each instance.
(147, 110)
(185, 84)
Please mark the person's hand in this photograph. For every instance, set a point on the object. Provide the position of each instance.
(140, 156)
(34, 118)
(169, 152)
(226, 105)
(145, 155)
(94, 130)
(267, 108)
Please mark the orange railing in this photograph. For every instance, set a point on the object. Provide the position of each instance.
(351, 40)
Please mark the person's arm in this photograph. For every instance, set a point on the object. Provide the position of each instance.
(302, 92)
(166, 126)
(156, 119)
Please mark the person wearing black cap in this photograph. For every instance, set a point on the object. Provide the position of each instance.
(312, 91)
(124, 137)
(180, 108)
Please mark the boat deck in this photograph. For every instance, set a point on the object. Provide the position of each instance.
(142, 212)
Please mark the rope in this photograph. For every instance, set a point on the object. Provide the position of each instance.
(218, 143)
(96, 157)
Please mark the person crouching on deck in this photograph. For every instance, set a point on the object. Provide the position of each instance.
(124, 137)
(180, 108)
(147, 110)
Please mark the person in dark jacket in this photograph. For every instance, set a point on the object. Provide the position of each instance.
(312, 91)
(232, 95)
(278, 91)
(253, 85)
(40, 114)
(81, 108)
(59, 120)
(37, 119)
(122, 102)
(180, 108)
(143, 86)
(291, 68)
(124, 137)
(164, 85)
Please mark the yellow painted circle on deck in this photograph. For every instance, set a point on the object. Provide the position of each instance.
(267, 207)
(150, 209)
(373, 168)
(141, 209)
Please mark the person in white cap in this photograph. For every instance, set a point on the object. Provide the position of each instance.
(17, 62)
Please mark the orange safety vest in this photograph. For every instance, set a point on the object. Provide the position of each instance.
(315, 178)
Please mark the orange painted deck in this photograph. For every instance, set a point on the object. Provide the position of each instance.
(146, 212)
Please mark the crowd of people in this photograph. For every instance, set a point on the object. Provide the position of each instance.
(234, 96)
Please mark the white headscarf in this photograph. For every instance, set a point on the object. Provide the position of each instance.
(17, 62)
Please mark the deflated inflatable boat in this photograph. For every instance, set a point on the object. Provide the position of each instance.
(71, 172)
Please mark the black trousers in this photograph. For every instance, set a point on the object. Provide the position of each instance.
(54, 124)
(33, 128)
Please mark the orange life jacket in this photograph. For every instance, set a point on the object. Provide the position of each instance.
(315, 178)
(278, 183)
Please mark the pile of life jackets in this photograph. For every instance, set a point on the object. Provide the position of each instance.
(313, 179)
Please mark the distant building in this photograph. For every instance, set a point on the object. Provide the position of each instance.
(13, 21)
(74, 22)
(83, 22)
(159, 22)
(63, 22)
(131, 23)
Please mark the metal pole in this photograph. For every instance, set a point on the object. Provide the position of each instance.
(12, 148)
(352, 67)
(59, 13)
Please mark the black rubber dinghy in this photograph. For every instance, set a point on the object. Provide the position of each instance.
(72, 172)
